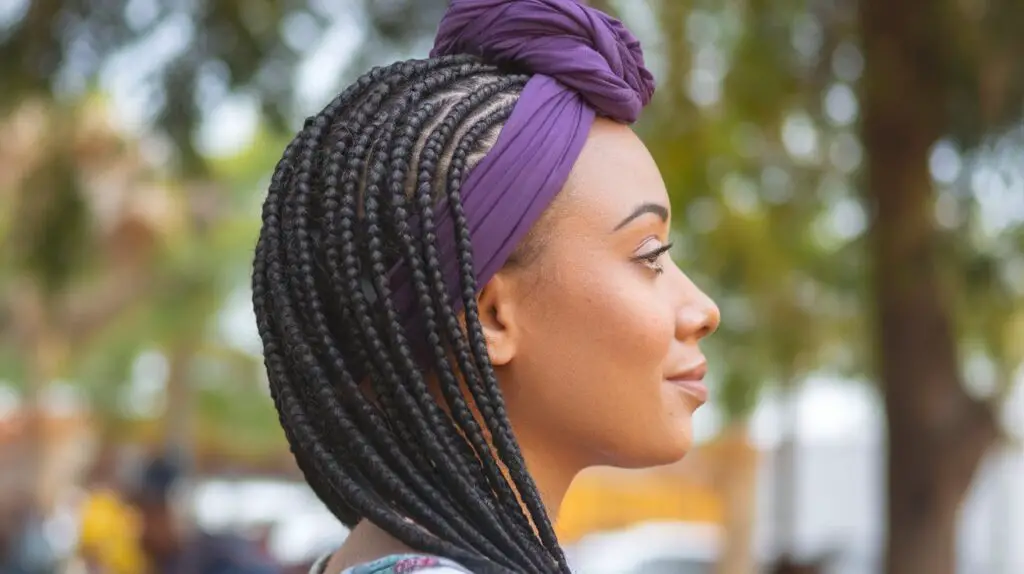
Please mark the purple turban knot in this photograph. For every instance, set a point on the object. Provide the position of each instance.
(583, 64)
(587, 50)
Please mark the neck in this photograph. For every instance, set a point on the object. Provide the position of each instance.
(553, 474)
(553, 469)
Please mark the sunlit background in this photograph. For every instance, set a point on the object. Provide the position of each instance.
(136, 140)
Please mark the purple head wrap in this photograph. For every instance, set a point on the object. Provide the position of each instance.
(584, 64)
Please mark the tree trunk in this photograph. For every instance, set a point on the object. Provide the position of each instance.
(40, 346)
(937, 433)
(178, 418)
(785, 472)
(735, 477)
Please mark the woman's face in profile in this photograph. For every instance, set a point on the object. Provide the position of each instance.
(595, 338)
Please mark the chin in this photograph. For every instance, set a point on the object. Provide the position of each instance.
(668, 448)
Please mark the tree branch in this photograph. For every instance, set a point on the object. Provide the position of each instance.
(89, 309)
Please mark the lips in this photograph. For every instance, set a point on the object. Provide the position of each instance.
(691, 381)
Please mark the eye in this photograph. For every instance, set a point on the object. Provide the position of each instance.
(652, 258)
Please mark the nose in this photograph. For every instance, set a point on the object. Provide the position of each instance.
(698, 315)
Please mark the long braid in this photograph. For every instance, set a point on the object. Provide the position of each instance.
(481, 381)
(267, 326)
(379, 471)
(351, 393)
(432, 152)
(464, 360)
(456, 474)
(437, 303)
(300, 354)
(367, 414)
(271, 236)
(438, 450)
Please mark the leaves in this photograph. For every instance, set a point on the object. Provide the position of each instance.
(52, 228)
(214, 47)
(753, 128)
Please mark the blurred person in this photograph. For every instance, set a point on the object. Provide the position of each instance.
(464, 292)
(27, 549)
(787, 564)
(8, 532)
(262, 534)
(109, 535)
(171, 545)
(108, 541)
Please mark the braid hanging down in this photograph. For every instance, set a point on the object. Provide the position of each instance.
(355, 193)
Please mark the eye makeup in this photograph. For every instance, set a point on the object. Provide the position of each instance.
(652, 258)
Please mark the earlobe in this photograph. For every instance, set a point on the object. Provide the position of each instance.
(497, 320)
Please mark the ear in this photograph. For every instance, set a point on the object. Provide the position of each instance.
(497, 307)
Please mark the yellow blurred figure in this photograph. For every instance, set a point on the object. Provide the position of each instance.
(109, 539)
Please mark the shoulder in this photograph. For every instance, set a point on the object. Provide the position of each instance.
(400, 564)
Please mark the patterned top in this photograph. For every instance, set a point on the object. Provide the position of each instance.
(398, 564)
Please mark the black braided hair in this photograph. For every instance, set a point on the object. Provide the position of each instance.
(354, 194)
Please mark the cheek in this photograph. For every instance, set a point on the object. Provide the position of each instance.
(633, 330)
(604, 335)
(593, 374)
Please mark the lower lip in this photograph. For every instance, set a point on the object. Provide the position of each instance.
(693, 387)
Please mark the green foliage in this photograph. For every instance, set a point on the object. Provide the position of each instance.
(762, 218)
(239, 421)
(746, 211)
(233, 44)
(52, 230)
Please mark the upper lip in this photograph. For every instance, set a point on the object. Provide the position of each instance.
(695, 372)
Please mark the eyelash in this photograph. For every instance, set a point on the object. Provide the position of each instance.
(651, 259)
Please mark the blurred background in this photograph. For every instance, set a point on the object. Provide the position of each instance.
(847, 178)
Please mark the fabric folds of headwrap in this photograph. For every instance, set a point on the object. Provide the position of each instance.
(583, 48)
(583, 64)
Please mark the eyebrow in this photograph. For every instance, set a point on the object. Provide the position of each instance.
(642, 209)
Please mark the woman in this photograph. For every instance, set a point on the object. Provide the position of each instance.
(464, 293)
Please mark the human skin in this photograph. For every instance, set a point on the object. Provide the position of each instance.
(596, 350)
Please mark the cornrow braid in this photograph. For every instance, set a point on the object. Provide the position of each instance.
(356, 192)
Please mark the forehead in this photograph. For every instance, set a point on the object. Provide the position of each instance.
(614, 174)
